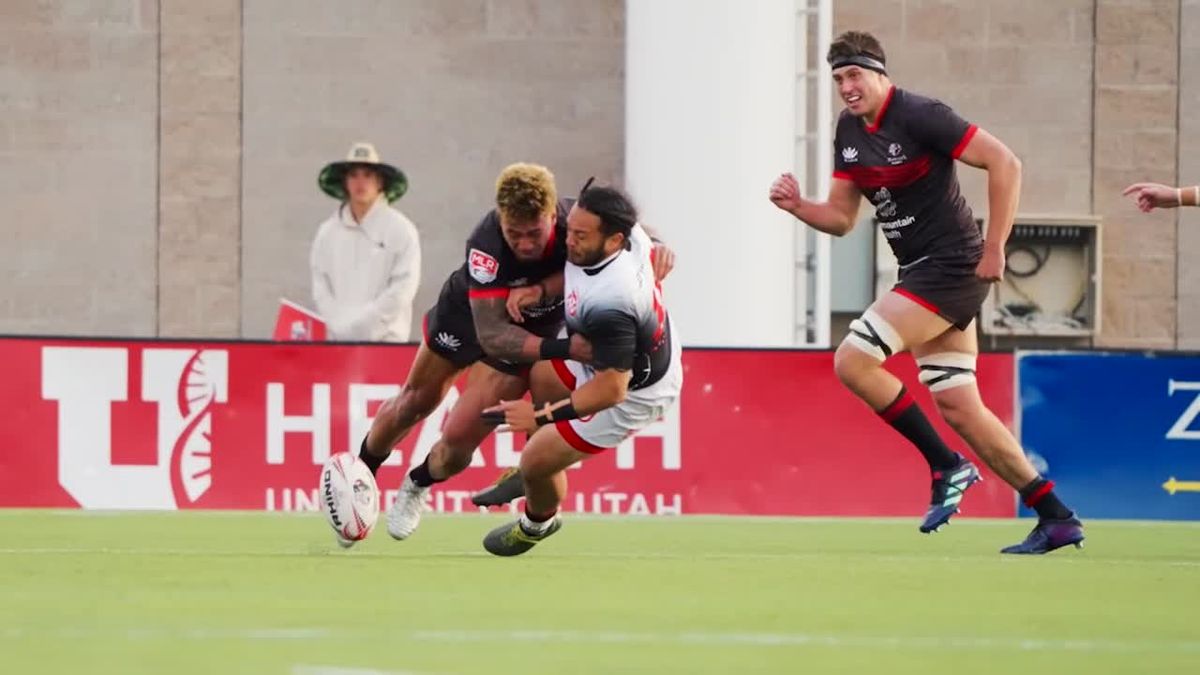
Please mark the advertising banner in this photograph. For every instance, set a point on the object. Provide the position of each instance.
(1118, 432)
(238, 425)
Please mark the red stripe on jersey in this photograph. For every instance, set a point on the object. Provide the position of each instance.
(962, 145)
(564, 373)
(897, 176)
(917, 299)
(842, 175)
(425, 328)
(487, 293)
(872, 128)
(576, 441)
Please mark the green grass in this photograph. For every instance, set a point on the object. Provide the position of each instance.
(264, 593)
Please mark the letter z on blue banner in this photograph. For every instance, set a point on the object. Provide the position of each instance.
(1118, 432)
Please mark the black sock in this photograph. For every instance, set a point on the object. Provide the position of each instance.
(421, 477)
(906, 417)
(373, 462)
(1039, 496)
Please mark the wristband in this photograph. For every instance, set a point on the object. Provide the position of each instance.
(555, 349)
(561, 414)
(1179, 196)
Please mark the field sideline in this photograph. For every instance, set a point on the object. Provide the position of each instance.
(271, 593)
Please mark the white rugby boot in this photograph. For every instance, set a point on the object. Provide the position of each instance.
(405, 514)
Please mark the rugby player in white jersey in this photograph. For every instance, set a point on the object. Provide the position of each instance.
(635, 376)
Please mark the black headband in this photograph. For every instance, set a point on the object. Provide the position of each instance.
(861, 60)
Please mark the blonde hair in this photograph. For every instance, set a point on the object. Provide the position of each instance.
(525, 192)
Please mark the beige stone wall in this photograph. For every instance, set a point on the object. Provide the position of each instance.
(1135, 139)
(1188, 249)
(163, 181)
(448, 90)
(200, 168)
(78, 156)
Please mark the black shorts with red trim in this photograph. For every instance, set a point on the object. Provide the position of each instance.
(948, 288)
(449, 331)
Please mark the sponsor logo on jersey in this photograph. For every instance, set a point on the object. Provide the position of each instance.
(850, 154)
(448, 341)
(885, 207)
(483, 267)
(572, 302)
(896, 155)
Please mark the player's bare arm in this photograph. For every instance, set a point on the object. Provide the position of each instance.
(835, 216)
(1150, 196)
(503, 339)
(607, 389)
(985, 151)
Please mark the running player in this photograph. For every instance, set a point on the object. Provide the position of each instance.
(899, 149)
(636, 374)
(495, 315)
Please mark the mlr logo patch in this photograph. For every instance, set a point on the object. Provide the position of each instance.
(483, 267)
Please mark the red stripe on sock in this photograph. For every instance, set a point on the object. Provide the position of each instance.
(897, 408)
(1036, 497)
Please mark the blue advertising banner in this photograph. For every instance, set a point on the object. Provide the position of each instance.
(1118, 432)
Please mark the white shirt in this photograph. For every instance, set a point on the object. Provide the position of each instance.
(365, 275)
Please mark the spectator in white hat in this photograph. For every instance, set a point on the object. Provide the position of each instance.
(366, 258)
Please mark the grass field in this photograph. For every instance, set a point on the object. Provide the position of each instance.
(263, 593)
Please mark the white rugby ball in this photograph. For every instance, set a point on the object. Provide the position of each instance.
(349, 497)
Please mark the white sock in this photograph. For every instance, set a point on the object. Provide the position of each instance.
(535, 527)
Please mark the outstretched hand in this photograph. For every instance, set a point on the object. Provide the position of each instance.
(1150, 196)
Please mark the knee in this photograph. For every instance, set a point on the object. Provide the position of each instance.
(849, 363)
(870, 342)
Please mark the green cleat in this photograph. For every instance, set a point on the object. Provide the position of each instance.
(512, 539)
(509, 486)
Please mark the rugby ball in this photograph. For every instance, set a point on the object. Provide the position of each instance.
(349, 497)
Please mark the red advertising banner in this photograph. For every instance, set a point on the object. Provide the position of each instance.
(228, 425)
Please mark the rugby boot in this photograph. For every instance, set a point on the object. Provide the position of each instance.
(1049, 535)
(948, 489)
(513, 539)
(507, 487)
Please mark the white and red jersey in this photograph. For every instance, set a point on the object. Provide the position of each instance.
(617, 305)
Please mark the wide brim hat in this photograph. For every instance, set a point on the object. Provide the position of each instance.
(332, 178)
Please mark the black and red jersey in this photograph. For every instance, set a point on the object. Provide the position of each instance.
(904, 164)
(490, 268)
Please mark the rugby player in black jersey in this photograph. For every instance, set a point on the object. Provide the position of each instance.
(898, 149)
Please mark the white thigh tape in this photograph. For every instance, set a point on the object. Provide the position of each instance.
(947, 370)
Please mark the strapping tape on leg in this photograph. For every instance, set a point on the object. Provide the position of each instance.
(872, 334)
(947, 370)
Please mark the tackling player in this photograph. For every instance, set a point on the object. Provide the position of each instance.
(898, 149)
(497, 313)
(636, 373)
